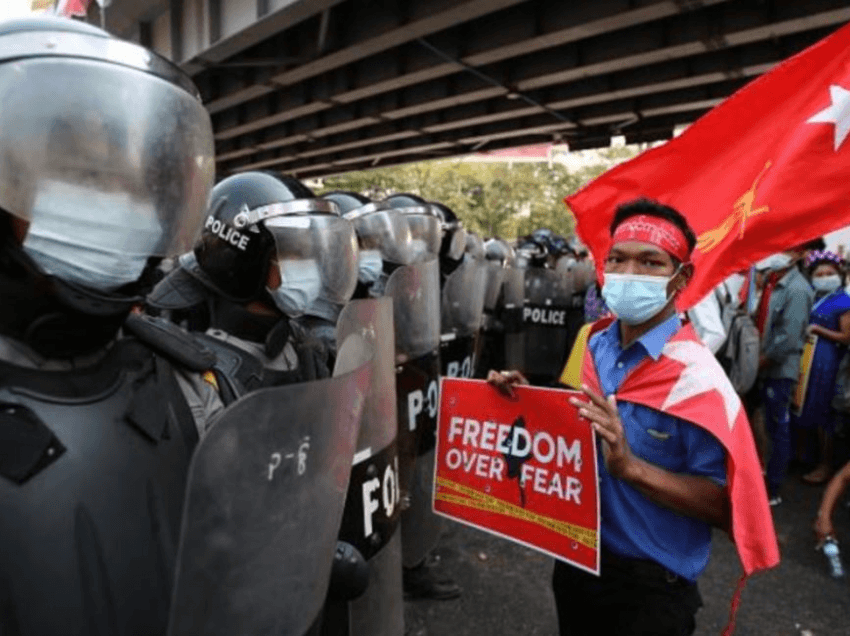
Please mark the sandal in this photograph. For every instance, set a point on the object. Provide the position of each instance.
(818, 476)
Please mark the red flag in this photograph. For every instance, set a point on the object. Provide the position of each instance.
(73, 8)
(762, 172)
(688, 382)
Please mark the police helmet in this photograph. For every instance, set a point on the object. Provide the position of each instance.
(499, 251)
(106, 157)
(454, 236)
(424, 222)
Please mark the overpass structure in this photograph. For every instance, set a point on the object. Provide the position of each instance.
(313, 87)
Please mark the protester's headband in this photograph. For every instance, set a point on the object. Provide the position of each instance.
(824, 256)
(656, 231)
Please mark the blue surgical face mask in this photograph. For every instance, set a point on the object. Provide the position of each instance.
(99, 242)
(635, 298)
(370, 266)
(827, 283)
(300, 286)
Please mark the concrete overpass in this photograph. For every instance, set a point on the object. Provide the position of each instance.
(313, 87)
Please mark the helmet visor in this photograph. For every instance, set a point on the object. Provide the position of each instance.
(318, 242)
(426, 236)
(109, 157)
(387, 232)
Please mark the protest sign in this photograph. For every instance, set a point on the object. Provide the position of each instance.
(522, 468)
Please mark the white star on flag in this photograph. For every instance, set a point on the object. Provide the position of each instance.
(702, 373)
(838, 113)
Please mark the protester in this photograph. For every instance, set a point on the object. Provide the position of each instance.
(594, 305)
(782, 317)
(708, 323)
(823, 526)
(815, 245)
(663, 478)
(830, 323)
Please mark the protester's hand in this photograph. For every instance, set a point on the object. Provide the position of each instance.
(814, 330)
(605, 419)
(504, 381)
(823, 529)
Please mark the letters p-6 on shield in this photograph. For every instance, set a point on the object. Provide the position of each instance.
(521, 468)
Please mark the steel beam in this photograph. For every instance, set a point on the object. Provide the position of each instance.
(711, 69)
(699, 45)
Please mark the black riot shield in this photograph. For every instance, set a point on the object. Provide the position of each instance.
(372, 508)
(264, 504)
(462, 312)
(415, 290)
(552, 314)
(490, 350)
(510, 313)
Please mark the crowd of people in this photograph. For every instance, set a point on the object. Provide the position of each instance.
(150, 321)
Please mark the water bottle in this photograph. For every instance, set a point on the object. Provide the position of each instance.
(830, 549)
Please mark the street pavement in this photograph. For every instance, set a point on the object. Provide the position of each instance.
(507, 587)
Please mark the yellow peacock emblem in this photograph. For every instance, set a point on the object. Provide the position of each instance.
(742, 210)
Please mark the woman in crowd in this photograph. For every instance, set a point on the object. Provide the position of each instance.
(830, 323)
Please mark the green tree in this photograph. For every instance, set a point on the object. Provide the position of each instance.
(493, 199)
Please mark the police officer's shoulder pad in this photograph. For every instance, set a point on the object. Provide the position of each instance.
(171, 341)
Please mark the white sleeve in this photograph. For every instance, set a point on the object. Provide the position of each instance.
(705, 316)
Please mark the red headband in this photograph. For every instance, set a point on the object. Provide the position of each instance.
(654, 230)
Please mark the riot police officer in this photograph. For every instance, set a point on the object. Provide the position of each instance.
(418, 344)
(269, 250)
(446, 239)
(383, 237)
(106, 160)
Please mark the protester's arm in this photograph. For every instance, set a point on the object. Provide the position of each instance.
(690, 495)
(842, 336)
(786, 335)
(834, 490)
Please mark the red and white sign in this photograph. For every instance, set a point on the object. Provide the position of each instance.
(521, 468)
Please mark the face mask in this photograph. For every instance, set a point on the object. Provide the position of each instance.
(774, 262)
(635, 298)
(827, 283)
(300, 285)
(370, 266)
(98, 242)
(81, 266)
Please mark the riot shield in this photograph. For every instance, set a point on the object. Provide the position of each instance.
(462, 310)
(490, 349)
(552, 314)
(584, 275)
(513, 297)
(494, 277)
(372, 508)
(263, 506)
(415, 290)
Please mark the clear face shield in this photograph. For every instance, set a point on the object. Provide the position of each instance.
(455, 242)
(383, 235)
(317, 257)
(474, 247)
(426, 232)
(107, 161)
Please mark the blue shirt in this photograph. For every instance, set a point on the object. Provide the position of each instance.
(633, 525)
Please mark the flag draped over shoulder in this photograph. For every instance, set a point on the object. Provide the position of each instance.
(688, 382)
(764, 171)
